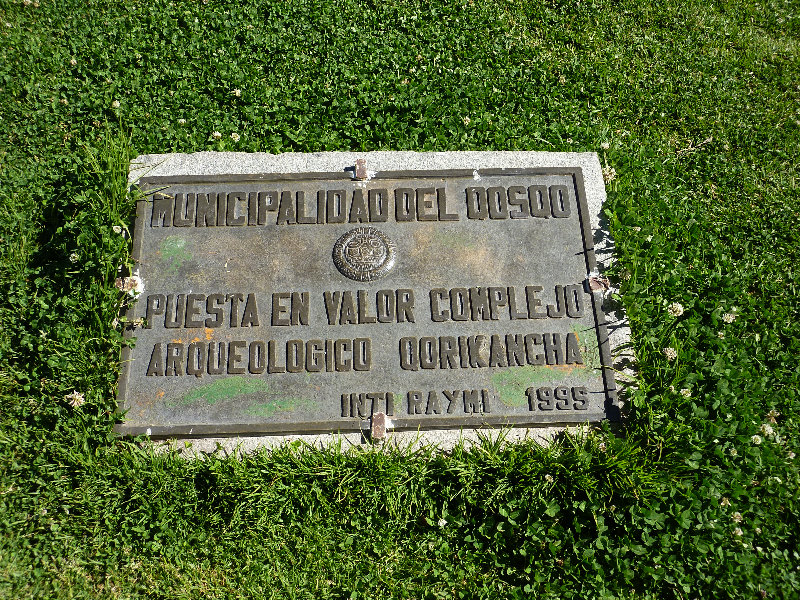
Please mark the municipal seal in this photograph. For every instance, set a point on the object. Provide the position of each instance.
(364, 254)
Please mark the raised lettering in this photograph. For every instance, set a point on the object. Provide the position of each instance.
(433, 403)
(257, 358)
(441, 202)
(155, 306)
(176, 310)
(518, 197)
(162, 211)
(174, 359)
(405, 306)
(559, 201)
(213, 307)
(250, 315)
(286, 214)
(438, 314)
(498, 203)
(234, 357)
(333, 301)
(234, 300)
(280, 312)
(573, 350)
(206, 215)
(404, 199)
(415, 403)
(335, 211)
(232, 218)
(426, 211)
(184, 210)
(192, 310)
(156, 365)
(359, 213)
(299, 308)
(378, 205)
(196, 359)
(476, 203)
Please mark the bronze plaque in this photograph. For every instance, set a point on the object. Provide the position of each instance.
(309, 302)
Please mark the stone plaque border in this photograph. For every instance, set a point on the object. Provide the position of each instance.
(149, 183)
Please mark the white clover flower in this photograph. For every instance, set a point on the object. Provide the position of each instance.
(609, 174)
(73, 258)
(466, 120)
(235, 137)
(63, 101)
(737, 517)
(734, 452)
(672, 389)
(115, 104)
(649, 238)
(442, 522)
(756, 439)
(548, 478)
(729, 317)
(73, 62)
(236, 92)
(181, 121)
(27, 2)
(670, 353)
(637, 229)
(790, 455)
(601, 446)
(117, 229)
(721, 335)
(737, 531)
(75, 399)
(605, 145)
(686, 392)
(758, 530)
(724, 501)
(675, 309)
(133, 285)
(216, 135)
(773, 415)
(766, 429)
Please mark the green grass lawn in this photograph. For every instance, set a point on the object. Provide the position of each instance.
(699, 105)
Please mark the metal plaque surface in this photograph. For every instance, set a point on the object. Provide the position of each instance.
(309, 302)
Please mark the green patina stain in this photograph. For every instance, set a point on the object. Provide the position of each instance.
(590, 350)
(512, 383)
(267, 409)
(223, 389)
(173, 252)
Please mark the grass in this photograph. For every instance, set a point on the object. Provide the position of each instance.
(698, 102)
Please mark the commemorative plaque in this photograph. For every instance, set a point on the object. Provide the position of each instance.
(311, 301)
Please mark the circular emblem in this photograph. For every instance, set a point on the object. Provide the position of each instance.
(364, 254)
